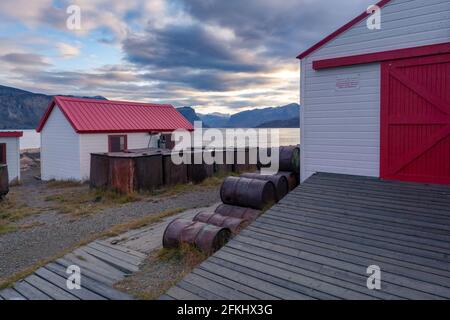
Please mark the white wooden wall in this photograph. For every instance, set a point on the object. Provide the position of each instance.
(12, 157)
(340, 129)
(94, 143)
(60, 149)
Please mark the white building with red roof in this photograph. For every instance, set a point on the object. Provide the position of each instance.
(73, 128)
(10, 153)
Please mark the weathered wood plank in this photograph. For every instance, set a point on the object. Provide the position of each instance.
(49, 289)
(90, 283)
(87, 271)
(30, 292)
(121, 265)
(202, 292)
(60, 282)
(127, 257)
(122, 248)
(182, 294)
(11, 294)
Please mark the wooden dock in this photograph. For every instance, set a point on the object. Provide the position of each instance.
(318, 242)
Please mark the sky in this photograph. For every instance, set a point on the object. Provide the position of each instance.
(214, 55)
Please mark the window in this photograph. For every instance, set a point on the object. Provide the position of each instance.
(2, 153)
(117, 143)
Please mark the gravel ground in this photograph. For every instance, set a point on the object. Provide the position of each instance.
(55, 232)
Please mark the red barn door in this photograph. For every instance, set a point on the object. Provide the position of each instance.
(415, 119)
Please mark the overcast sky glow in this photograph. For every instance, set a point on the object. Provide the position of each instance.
(219, 56)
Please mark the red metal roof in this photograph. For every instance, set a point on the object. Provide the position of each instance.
(102, 116)
(11, 134)
(342, 29)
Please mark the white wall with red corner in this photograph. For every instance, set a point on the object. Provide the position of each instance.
(10, 153)
(377, 102)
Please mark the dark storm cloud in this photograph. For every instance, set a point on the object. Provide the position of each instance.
(185, 46)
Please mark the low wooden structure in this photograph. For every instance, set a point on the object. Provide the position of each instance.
(127, 171)
(4, 183)
(319, 241)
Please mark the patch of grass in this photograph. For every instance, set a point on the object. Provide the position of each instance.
(12, 211)
(162, 270)
(140, 223)
(61, 184)
(85, 202)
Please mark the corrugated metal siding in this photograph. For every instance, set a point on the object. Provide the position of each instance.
(60, 149)
(340, 129)
(12, 157)
(97, 143)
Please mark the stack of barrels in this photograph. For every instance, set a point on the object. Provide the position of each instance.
(4, 180)
(244, 199)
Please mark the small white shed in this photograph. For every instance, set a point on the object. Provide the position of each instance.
(376, 101)
(73, 128)
(10, 153)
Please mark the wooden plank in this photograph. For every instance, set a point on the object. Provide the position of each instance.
(121, 265)
(90, 283)
(49, 289)
(200, 291)
(92, 264)
(355, 243)
(182, 294)
(227, 292)
(275, 286)
(166, 297)
(350, 281)
(11, 294)
(60, 282)
(313, 287)
(90, 259)
(87, 271)
(30, 292)
(244, 291)
(391, 231)
(337, 252)
(127, 257)
(122, 248)
(361, 238)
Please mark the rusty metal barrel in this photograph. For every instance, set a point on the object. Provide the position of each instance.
(244, 213)
(290, 159)
(244, 192)
(280, 182)
(4, 180)
(206, 237)
(292, 179)
(234, 224)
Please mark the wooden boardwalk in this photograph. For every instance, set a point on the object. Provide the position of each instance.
(318, 242)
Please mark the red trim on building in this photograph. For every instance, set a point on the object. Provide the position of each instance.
(106, 116)
(383, 56)
(342, 29)
(11, 134)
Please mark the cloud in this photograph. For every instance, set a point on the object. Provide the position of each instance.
(25, 59)
(68, 51)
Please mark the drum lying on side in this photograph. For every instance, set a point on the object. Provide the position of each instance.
(248, 214)
(216, 219)
(280, 182)
(244, 192)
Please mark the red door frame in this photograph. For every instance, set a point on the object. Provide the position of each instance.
(388, 70)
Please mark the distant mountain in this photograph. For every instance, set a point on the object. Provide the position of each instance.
(215, 120)
(290, 123)
(275, 117)
(20, 109)
(256, 117)
(190, 114)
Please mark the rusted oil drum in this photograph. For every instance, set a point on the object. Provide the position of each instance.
(216, 219)
(280, 182)
(244, 192)
(248, 214)
(290, 159)
(206, 237)
(292, 179)
(4, 180)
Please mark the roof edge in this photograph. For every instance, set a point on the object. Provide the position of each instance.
(339, 31)
(11, 134)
